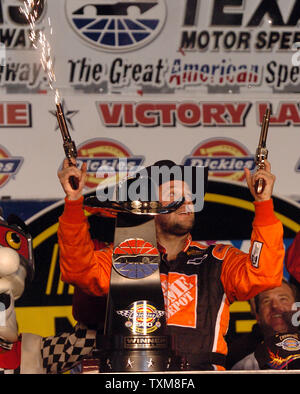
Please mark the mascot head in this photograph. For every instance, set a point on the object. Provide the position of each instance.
(16, 268)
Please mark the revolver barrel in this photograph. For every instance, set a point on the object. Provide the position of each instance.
(262, 152)
(68, 144)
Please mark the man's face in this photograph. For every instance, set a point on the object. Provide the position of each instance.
(181, 221)
(274, 308)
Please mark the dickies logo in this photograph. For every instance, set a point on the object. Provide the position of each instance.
(225, 158)
(116, 26)
(104, 159)
(9, 165)
(290, 344)
(142, 317)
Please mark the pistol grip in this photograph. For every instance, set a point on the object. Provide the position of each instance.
(260, 185)
(74, 182)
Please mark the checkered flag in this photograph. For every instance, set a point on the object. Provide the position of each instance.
(62, 352)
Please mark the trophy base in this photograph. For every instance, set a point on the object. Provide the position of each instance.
(145, 353)
(136, 361)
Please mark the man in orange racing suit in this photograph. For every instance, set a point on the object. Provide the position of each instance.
(199, 282)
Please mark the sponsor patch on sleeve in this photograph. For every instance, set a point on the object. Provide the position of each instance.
(255, 253)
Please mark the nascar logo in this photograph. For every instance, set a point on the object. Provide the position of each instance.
(116, 26)
(105, 158)
(9, 165)
(143, 318)
(224, 158)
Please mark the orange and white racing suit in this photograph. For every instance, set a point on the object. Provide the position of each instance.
(198, 286)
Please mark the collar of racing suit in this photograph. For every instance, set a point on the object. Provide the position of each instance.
(187, 244)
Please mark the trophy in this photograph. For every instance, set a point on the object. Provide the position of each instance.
(134, 338)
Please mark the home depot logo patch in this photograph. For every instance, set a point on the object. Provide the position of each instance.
(180, 294)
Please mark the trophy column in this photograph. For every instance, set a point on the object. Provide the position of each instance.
(134, 337)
